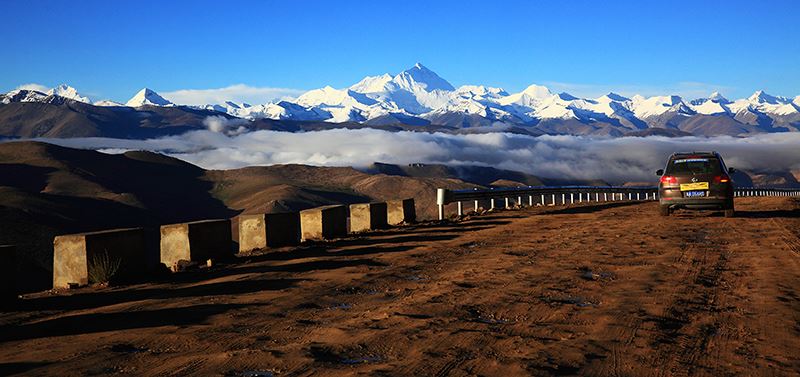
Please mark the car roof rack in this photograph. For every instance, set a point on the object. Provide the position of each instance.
(712, 153)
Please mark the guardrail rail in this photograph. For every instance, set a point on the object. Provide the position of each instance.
(562, 195)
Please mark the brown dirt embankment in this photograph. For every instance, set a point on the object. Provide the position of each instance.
(608, 290)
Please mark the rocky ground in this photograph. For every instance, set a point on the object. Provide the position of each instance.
(607, 290)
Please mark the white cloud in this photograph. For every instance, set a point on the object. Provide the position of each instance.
(687, 90)
(224, 125)
(236, 93)
(33, 86)
(614, 160)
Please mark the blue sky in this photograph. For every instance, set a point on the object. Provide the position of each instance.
(111, 49)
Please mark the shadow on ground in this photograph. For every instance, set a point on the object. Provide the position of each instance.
(101, 322)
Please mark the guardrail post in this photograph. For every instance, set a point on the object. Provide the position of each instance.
(441, 195)
(637, 196)
(554, 199)
(543, 203)
(507, 206)
(476, 206)
(605, 196)
(563, 199)
(519, 201)
(460, 209)
(530, 200)
(571, 198)
(491, 203)
(580, 197)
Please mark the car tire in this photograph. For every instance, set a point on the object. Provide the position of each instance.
(730, 212)
(663, 210)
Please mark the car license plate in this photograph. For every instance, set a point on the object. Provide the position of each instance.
(694, 194)
(694, 186)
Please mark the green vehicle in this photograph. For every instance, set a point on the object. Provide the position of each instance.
(696, 181)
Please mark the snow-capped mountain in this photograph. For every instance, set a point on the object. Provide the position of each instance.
(24, 95)
(147, 97)
(419, 96)
(716, 103)
(67, 91)
(108, 103)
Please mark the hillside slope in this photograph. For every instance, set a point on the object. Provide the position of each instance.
(47, 190)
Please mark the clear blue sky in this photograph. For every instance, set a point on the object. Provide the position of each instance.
(110, 49)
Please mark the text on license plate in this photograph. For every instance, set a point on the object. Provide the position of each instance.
(694, 186)
(691, 194)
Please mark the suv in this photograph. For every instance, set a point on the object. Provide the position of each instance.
(695, 180)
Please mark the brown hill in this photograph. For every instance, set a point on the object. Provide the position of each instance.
(65, 119)
(506, 183)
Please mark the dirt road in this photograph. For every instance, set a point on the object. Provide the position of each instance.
(599, 291)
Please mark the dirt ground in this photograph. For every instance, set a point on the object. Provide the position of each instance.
(609, 290)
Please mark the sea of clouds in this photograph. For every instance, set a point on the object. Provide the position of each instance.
(615, 160)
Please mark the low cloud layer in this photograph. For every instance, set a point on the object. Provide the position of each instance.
(612, 159)
(236, 93)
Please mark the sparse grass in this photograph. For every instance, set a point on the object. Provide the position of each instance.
(103, 268)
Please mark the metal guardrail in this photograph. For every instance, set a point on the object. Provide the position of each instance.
(562, 195)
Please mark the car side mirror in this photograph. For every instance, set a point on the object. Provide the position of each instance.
(660, 172)
(731, 170)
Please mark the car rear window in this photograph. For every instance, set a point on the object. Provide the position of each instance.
(694, 166)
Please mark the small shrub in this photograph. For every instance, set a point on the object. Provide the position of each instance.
(102, 268)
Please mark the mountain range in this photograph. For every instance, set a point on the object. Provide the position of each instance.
(418, 97)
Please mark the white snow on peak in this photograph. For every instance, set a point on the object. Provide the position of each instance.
(528, 97)
(108, 103)
(324, 96)
(372, 84)
(537, 91)
(715, 103)
(67, 91)
(25, 95)
(147, 97)
(613, 97)
(717, 97)
(762, 97)
(657, 105)
(761, 102)
(420, 77)
(710, 107)
(480, 91)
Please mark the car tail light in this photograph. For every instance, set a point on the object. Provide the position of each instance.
(721, 179)
(670, 180)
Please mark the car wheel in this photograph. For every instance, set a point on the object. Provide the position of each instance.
(663, 210)
(730, 212)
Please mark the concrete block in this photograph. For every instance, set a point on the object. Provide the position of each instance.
(196, 241)
(268, 230)
(323, 222)
(8, 272)
(368, 216)
(400, 211)
(76, 255)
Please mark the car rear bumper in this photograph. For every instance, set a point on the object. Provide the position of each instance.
(696, 203)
